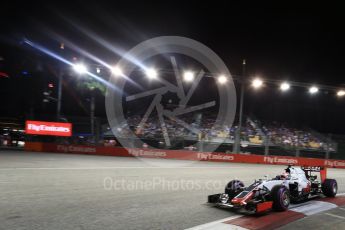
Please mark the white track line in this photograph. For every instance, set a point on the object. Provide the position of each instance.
(313, 207)
(333, 215)
(219, 225)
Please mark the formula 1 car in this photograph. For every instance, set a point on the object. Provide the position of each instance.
(295, 184)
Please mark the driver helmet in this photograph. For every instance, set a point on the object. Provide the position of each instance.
(284, 175)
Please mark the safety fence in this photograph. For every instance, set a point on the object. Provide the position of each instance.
(182, 155)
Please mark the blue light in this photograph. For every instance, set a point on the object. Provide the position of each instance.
(57, 57)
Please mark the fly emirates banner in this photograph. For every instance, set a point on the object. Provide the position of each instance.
(48, 128)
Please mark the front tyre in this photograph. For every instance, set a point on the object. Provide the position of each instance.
(329, 187)
(280, 197)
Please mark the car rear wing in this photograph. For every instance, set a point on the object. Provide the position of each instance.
(322, 170)
(312, 168)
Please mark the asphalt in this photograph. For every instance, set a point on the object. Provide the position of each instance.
(65, 191)
(333, 219)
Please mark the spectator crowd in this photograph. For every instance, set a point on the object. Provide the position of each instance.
(206, 127)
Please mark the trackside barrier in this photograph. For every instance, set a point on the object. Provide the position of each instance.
(182, 155)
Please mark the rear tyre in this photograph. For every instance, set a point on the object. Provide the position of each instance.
(233, 188)
(280, 197)
(329, 187)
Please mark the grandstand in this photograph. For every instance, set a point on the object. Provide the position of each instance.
(253, 133)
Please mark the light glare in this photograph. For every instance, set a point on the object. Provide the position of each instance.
(188, 76)
(116, 71)
(80, 68)
(151, 73)
(313, 90)
(257, 83)
(222, 79)
(341, 93)
(285, 86)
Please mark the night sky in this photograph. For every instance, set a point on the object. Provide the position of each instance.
(288, 43)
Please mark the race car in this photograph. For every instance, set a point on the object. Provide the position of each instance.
(293, 185)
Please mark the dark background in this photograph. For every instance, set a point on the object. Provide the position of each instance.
(296, 43)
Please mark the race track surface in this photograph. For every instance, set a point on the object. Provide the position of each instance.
(65, 191)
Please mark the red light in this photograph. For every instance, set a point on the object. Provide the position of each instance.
(2, 74)
(51, 85)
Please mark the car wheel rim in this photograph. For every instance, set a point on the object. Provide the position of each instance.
(335, 188)
(286, 199)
